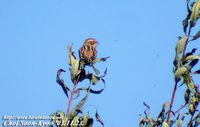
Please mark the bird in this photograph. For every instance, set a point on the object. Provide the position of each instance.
(88, 52)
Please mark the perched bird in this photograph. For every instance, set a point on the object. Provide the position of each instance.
(88, 52)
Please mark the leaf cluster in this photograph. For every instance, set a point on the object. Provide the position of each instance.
(76, 117)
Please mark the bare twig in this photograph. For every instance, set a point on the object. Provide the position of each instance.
(172, 101)
(72, 95)
(182, 106)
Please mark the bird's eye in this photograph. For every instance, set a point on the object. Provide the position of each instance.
(92, 42)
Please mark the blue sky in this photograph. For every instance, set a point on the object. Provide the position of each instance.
(140, 36)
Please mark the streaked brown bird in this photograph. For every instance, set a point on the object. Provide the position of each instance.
(88, 52)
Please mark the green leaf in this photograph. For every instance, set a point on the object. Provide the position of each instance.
(185, 21)
(71, 55)
(61, 82)
(166, 105)
(75, 70)
(181, 44)
(95, 79)
(165, 108)
(91, 90)
(179, 49)
(197, 72)
(100, 59)
(59, 119)
(188, 81)
(180, 121)
(79, 106)
(75, 121)
(195, 13)
(191, 52)
(195, 100)
(192, 57)
(191, 109)
(179, 72)
(185, 24)
(90, 122)
(161, 116)
(141, 124)
(96, 91)
(187, 96)
(74, 63)
(196, 36)
(190, 85)
(171, 122)
(98, 118)
(105, 58)
(165, 124)
(192, 64)
(85, 120)
(92, 78)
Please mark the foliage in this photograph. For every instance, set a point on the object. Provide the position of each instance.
(76, 117)
(184, 63)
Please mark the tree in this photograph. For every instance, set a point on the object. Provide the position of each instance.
(184, 63)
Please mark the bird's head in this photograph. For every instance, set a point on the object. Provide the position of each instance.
(91, 42)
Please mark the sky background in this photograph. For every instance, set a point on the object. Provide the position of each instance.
(140, 36)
